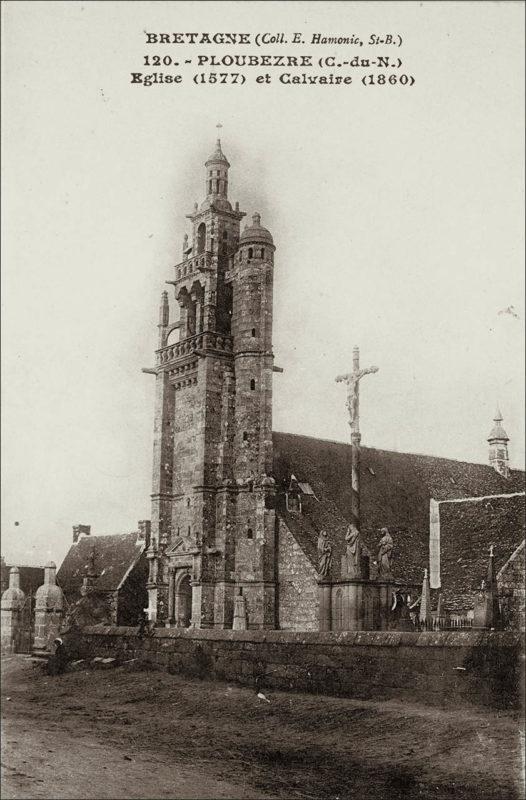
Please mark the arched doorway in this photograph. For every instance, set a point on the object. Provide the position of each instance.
(184, 602)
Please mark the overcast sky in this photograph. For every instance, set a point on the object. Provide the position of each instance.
(397, 215)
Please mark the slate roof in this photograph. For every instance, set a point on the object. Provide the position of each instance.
(115, 556)
(467, 529)
(395, 492)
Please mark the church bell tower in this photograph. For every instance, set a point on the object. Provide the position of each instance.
(212, 534)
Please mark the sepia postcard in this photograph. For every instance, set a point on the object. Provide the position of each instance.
(263, 497)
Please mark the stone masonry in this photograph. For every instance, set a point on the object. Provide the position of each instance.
(512, 590)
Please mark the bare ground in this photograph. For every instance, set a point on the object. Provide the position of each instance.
(122, 734)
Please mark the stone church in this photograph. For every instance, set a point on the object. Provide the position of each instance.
(237, 509)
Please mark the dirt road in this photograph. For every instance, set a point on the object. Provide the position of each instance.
(120, 734)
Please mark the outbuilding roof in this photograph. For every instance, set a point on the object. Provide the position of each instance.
(114, 556)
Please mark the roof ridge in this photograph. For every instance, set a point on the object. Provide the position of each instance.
(478, 498)
(92, 536)
(398, 452)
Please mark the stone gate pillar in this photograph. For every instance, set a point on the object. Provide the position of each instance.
(49, 609)
(13, 600)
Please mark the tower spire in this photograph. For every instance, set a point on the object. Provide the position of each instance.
(217, 171)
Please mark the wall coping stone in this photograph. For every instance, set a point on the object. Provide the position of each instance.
(464, 638)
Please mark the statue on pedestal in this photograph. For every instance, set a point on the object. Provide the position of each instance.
(356, 559)
(385, 549)
(324, 555)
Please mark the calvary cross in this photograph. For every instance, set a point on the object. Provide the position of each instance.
(352, 379)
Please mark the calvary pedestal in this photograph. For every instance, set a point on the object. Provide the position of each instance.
(357, 605)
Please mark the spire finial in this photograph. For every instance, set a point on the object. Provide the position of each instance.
(218, 126)
(498, 415)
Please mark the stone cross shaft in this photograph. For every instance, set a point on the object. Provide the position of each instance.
(352, 379)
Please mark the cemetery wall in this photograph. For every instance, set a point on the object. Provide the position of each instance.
(447, 669)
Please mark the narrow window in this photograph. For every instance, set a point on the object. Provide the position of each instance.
(189, 530)
(250, 252)
(225, 234)
(209, 187)
(201, 238)
(252, 385)
(249, 533)
(262, 252)
(253, 333)
(245, 436)
(188, 502)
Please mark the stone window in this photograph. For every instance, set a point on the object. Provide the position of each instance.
(250, 535)
(245, 436)
(262, 252)
(250, 252)
(253, 333)
(252, 385)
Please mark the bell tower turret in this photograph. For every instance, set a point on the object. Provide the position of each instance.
(498, 446)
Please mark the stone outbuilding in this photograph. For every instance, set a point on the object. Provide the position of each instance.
(462, 531)
(108, 574)
(512, 590)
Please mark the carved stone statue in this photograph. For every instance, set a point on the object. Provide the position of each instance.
(352, 379)
(385, 549)
(357, 555)
(324, 555)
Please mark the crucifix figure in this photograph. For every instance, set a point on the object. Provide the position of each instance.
(352, 380)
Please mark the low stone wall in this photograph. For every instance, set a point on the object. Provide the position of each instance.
(448, 669)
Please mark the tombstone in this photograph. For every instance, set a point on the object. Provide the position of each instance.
(424, 616)
(486, 612)
(13, 600)
(49, 609)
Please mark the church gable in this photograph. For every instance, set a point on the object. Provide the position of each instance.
(467, 530)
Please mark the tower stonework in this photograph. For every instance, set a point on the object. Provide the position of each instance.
(213, 518)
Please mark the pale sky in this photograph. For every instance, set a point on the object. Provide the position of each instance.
(397, 215)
